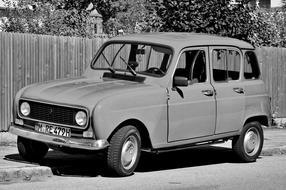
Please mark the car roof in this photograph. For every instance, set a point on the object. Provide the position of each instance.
(181, 40)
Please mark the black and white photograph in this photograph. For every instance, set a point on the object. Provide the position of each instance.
(143, 94)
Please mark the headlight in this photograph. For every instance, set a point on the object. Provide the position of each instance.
(80, 118)
(25, 109)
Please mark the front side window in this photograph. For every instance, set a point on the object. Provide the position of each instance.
(192, 65)
(251, 68)
(142, 58)
(226, 65)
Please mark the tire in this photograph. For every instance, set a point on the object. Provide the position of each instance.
(124, 151)
(31, 150)
(249, 144)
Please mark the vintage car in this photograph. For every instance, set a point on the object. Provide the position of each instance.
(151, 92)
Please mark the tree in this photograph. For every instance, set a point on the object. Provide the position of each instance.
(283, 2)
(103, 6)
(55, 17)
(71, 18)
(129, 16)
(22, 18)
(126, 15)
(274, 29)
(214, 17)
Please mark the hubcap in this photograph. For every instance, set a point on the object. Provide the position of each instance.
(251, 141)
(129, 152)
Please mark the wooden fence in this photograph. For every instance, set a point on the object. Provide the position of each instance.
(273, 66)
(26, 59)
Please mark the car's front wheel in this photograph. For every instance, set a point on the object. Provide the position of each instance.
(249, 144)
(31, 150)
(124, 151)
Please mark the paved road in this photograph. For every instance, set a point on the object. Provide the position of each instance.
(198, 169)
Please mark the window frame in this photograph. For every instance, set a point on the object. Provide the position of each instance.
(257, 65)
(207, 66)
(103, 47)
(227, 48)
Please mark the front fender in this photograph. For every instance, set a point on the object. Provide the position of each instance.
(148, 106)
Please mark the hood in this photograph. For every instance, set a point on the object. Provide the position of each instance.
(81, 91)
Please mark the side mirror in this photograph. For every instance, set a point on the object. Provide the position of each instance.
(180, 81)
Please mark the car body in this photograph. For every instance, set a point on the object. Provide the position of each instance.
(155, 92)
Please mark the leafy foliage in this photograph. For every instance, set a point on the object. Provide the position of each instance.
(22, 19)
(215, 17)
(103, 6)
(283, 2)
(129, 16)
(70, 18)
(273, 24)
(54, 17)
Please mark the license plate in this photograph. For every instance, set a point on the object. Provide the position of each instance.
(53, 130)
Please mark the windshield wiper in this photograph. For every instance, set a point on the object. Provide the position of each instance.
(117, 54)
(132, 71)
(110, 67)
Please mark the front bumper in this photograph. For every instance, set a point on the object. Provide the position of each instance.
(85, 144)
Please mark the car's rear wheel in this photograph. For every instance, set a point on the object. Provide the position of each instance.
(249, 144)
(31, 150)
(124, 151)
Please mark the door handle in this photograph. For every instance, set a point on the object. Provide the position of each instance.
(208, 92)
(238, 90)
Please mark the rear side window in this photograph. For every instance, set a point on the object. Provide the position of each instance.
(226, 65)
(251, 68)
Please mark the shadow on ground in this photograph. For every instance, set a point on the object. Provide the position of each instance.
(186, 158)
(93, 165)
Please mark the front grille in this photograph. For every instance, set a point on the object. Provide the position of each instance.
(52, 113)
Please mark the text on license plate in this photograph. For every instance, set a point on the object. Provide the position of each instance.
(54, 130)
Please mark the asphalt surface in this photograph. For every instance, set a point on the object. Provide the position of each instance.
(14, 169)
(192, 169)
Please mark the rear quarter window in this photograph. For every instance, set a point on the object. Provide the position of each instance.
(251, 67)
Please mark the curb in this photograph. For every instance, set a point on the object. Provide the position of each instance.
(7, 139)
(24, 174)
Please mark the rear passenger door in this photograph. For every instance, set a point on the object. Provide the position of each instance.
(226, 66)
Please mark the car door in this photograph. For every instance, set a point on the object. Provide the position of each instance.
(191, 108)
(226, 64)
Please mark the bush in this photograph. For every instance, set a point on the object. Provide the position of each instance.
(239, 21)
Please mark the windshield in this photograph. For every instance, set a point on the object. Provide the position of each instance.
(135, 58)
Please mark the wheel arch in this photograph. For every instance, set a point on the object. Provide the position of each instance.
(262, 119)
(144, 134)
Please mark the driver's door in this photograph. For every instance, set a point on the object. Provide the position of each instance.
(192, 108)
